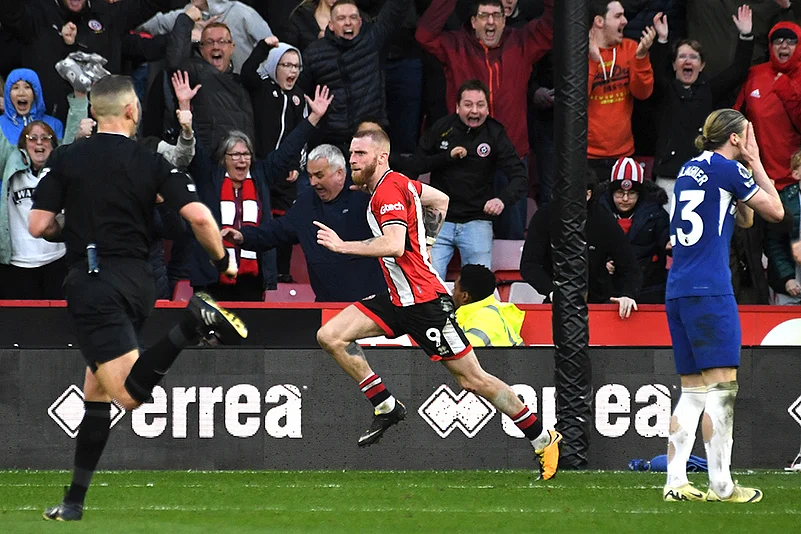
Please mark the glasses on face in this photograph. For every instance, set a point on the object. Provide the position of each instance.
(694, 57)
(620, 194)
(36, 138)
(212, 42)
(236, 156)
(289, 66)
(784, 40)
(496, 16)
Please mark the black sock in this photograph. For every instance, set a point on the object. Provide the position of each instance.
(528, 423)
(154, 363)
(92, 438)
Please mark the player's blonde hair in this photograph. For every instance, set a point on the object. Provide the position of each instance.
(719, 125)
(377, 136)
(111, 94)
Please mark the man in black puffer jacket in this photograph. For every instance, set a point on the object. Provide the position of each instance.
(347, 60)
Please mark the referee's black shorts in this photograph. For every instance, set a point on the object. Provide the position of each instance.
(109, 309)
(432, 324)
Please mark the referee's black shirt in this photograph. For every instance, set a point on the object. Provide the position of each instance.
(107, 186)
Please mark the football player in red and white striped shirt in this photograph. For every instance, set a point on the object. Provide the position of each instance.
(405, 217)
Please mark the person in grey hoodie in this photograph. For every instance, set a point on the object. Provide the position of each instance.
(270, 75)
(247, 27)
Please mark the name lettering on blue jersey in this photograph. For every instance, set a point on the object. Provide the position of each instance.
(696, 173)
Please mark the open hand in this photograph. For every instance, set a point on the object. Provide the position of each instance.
(647, 39)
(743, 19)
(319, 106)
(661, 26)
(625, 306)
(183, 91)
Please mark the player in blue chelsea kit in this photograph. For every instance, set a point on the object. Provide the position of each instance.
(713, 192)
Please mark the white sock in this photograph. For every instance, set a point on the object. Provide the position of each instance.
(720, 409)
(541, 441)
(687, 413)
(386, 406)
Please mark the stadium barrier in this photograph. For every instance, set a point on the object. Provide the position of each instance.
(288, 409)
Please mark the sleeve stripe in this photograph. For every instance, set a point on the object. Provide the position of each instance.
(394, 221)
(750, 194)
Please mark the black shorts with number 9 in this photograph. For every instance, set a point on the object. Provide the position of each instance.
(432, 324)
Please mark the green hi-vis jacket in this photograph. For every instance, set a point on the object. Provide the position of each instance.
(491, 323)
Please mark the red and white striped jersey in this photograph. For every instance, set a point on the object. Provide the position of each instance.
(411, 278)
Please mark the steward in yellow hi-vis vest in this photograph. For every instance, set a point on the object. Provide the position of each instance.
(486, 321)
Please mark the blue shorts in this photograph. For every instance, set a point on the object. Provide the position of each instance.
(705, 331)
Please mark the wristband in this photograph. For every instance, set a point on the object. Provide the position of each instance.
(222, 263)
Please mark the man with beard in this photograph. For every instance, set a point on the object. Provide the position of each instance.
(404, 217)
(463, 151)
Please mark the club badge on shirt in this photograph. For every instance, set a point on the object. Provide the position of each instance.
(95, 26)
(483, 150)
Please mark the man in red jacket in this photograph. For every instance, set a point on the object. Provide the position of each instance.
(500, 57)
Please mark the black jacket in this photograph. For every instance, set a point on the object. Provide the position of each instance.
(352, 71)
(469, 181)
(222, 104)
(649, 234)
(302, 29)
(605, 241)
(101, 27)
(683, 111)
(277, 113)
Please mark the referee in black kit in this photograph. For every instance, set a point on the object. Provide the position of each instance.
(107, 186)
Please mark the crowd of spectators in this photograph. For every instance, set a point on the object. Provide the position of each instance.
(259, 100)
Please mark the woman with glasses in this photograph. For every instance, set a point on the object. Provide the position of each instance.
(685, 96)
(236, 188)
(30, 268)
(270, 75)
(637, 204)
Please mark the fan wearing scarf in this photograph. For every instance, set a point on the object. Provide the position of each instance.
(237, 190)
(771, 99)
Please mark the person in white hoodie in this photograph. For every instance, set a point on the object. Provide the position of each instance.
(246, 25)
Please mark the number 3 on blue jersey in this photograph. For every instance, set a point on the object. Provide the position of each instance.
(693, 199)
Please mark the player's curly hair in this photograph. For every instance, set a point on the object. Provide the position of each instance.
(719, 125)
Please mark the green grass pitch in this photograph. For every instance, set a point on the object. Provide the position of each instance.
(173, 502)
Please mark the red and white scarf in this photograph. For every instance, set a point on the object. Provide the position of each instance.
(248, 198)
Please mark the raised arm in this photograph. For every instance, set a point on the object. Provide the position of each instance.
(179, 49)
(430, 32)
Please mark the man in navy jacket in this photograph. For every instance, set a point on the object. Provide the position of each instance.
(333, 277)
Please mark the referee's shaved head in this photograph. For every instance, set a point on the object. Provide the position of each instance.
(111, 95)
